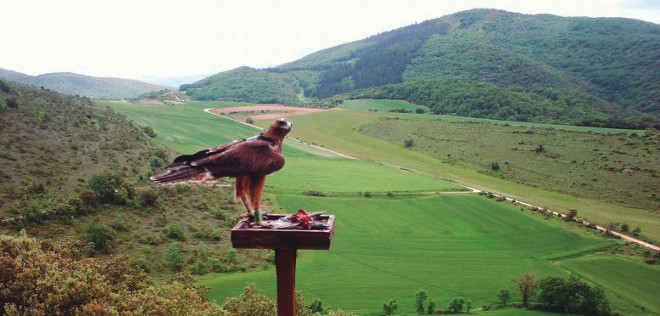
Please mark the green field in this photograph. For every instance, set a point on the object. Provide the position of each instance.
(451, 246)
(379, 105)
(632, 281)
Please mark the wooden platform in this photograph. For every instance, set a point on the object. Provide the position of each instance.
(243, 236)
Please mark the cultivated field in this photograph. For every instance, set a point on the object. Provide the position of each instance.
(451, 246)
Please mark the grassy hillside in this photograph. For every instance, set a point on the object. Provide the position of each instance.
(538, 68)
(575, 163)
(75, 84)
(246, 84)
(75, 169)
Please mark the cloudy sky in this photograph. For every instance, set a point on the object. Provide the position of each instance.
(142, 38)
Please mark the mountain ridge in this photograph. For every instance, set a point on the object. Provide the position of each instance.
(611, 61)
(89, 86)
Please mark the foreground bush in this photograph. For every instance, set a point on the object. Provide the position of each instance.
(43, 278)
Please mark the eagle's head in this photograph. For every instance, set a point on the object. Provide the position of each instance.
(279, 128)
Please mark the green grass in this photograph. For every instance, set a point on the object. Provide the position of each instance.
(340, 130)
(379, 105)
(340, 176)
(451, 246)
(634, 282)
(582, 164)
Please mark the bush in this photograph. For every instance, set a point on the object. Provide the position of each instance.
(149, 131)
(176, 232)
(456, 306)
(101, 235)
(390, 306)
(408, 143)
(495, 166)
(147, 198)
(110, 188)
(572, 296)
(420, 111)
(174, 257)
(249, 120)
(44, 278)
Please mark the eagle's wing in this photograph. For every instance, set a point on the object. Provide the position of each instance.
(249, 158)
(188, 159)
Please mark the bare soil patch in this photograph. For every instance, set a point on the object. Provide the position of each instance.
(264, 112)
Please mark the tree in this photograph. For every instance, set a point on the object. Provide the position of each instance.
(456, 306)
(100, 235)
(316, 306)
(526, 285)
(468, 306)
(504, 295)
(249, 120)
(174, 257)
(431, 309)
(390, 306)
(637, 231)
(572, 296)
(625, 228)
(572, 213)
(420, 299)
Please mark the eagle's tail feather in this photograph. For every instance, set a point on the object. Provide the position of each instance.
(179, 174)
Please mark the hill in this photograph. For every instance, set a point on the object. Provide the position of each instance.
(74, 169)
(246, 84)
(75, 84)
(591, 68)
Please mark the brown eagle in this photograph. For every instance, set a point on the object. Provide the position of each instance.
(247, 160)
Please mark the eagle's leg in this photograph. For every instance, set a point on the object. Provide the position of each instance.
(256, 188)
(241, 190)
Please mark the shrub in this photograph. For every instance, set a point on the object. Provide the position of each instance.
(174, 256)
(420, 111)
(149, 131)
(147, 198)
(495, 166)
(313, 193)
(572, 296)
(408, 143)
(390, 306)
(504, 295)
(101, 235)
(218, 214)
(456, 306)
(249, 120)
(176, 232)
(110, 188)
(55, 279)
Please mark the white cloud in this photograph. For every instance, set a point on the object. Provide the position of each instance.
(173, 38)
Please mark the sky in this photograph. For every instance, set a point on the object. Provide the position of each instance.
(167, 38)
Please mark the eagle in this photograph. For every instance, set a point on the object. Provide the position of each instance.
(248, 160)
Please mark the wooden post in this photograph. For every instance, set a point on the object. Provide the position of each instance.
(285, 242)
(285, 263)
